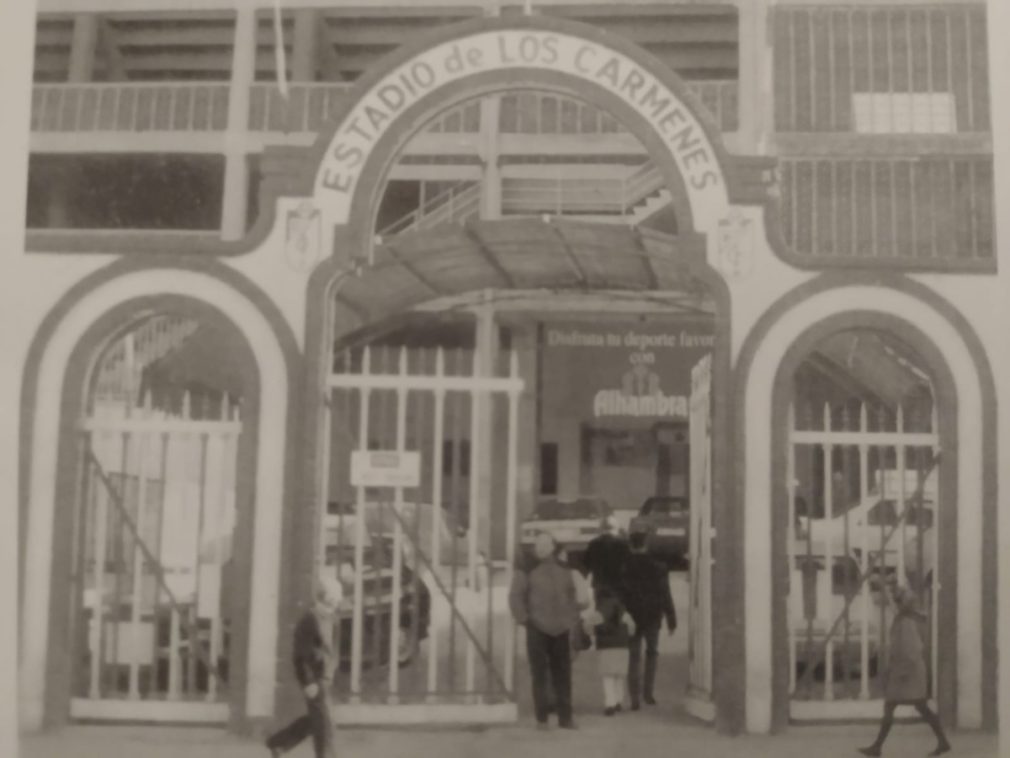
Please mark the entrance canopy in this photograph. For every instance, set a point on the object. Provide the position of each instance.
(519, 253)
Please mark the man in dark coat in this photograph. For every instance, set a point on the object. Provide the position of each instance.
(543, 600)
(646, 590)
(312, 660)
(605, 557)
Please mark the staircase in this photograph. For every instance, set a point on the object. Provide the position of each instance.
(629, 200)
(119, 373)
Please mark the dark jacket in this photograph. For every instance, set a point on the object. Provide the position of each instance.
(605, 558)
(906, 679)
(544, 596)
(311, 651)
(646, 592)
(612, 632)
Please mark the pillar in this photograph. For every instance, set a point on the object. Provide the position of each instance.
(236, 164)
(83, 45)
(755, 89)
(305, 46)
(490, 152)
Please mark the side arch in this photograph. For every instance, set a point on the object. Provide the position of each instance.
(965, 393)
(53, 394)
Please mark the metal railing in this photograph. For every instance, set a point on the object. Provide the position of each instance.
(203, 107)
(453, 205)
(130, 107)
(560, 195)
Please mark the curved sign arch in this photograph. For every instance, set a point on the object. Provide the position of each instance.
(607, 71)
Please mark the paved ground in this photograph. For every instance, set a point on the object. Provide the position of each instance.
(597, 737)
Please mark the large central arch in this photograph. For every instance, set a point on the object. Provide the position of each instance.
(385, 109)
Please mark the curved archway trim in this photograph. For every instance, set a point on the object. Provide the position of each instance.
(954, 349)
(48, 375)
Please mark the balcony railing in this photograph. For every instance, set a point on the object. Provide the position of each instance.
(203, 107)
(130, 107)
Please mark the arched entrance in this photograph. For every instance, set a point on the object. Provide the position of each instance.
(943, 371)
(119, 592)
(474, 60)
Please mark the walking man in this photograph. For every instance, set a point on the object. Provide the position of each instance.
(543, 600)
(648, 600)
(312, 661)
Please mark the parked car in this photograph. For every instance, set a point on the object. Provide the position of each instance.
(667, 520)
(817, 608)
(377, 590)
(572, 523)
(871, 527)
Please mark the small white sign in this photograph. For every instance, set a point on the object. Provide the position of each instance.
(385, 468)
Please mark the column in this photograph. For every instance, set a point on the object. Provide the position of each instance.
(236, 166)
(305, 46)
(755, 78)
(83, 45)
(490, 194)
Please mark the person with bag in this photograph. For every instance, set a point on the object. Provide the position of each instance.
(312, 660)
(906, 682)
(647, 596)
(543, 600)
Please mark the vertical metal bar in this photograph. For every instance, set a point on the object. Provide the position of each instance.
(790, 542)
(457, 401)
(847, 554)
(194, 625)
(359, 537)
(162, 462)
(512, 467)
(930, 88)
(950, 65)
(394, 616)
(829, 512)
(852, 74)
(224, 445)
(138, 568)
(436, 508)
(902, 497)
(475, 469)
(832, 126)
(98, 613)
(894, 207)
(871, 72)
(126, 440)
(934, 585)
(864, 616)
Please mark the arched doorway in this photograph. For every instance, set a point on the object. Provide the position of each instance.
(80, 668)
(554, 260)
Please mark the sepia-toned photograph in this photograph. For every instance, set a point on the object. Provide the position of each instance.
(494, 378)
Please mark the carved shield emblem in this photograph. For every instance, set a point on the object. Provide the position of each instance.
(735, 245)
(302, 237)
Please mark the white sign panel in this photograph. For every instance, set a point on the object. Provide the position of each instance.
(385, 468)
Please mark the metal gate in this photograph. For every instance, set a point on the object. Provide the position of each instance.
(863, 498)
(701, 533)
(419, 524)
(157, 500)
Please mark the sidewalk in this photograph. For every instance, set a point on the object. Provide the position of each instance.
(597, 737)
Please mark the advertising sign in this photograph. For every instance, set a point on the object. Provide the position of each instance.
(385, 468)
(623, 372)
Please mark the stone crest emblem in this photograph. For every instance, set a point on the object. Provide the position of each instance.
(302, 237)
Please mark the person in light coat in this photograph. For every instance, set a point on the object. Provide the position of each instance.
(905, 680)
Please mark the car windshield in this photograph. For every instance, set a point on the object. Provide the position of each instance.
(583, 508)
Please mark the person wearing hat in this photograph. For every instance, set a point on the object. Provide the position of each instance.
(543, 599)
(312, 660)
(906, 682)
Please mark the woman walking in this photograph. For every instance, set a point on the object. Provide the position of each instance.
(905, 682)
